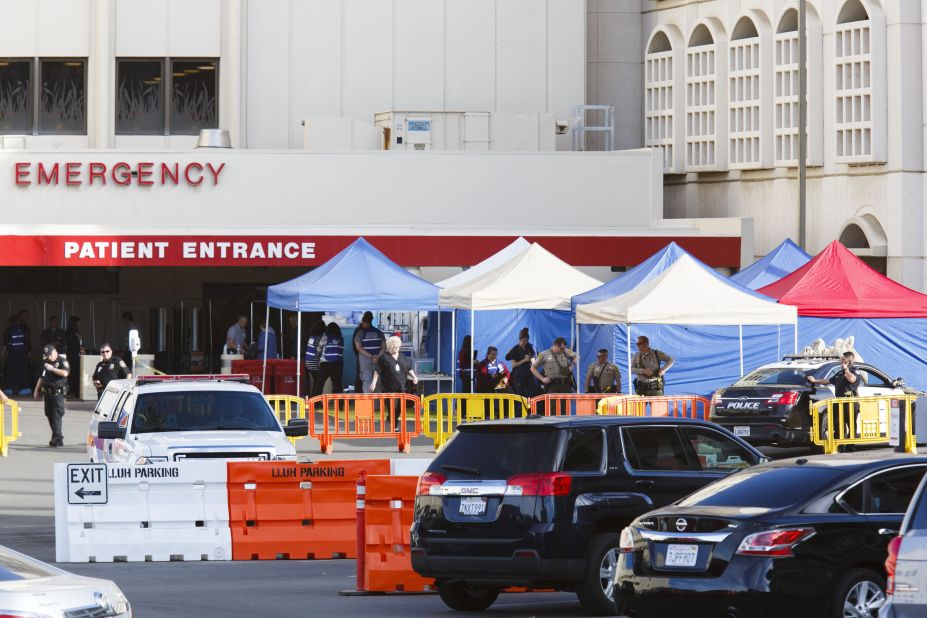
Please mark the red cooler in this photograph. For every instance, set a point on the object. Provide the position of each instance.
(285, 379)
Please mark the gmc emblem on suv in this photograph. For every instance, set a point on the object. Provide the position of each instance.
(469, 491)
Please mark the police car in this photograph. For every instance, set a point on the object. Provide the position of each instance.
(771, 405)
(159, 419)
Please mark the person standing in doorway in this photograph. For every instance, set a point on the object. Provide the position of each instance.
(332, 360)
(131, 342)
(108, 369)
(521, 356)
(266, 341)
(558, 363)
(236, 336)
(603, 376)
(17, 349)
(75, 347)
(369, 344)
(53, 384)
(314, 354)
(54, 335)
(649, 366)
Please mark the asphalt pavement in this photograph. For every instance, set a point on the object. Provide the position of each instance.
(214, 589)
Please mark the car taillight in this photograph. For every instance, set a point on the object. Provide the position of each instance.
(784, 399)
(716, 398)
(894, 548)
(626, 542)
(542, 484)
(427, 481)
(774, 543)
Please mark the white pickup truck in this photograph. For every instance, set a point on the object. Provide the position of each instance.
(160, 419)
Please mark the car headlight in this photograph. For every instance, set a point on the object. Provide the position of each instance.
(142, 461)
(112, 604)
(285, 458)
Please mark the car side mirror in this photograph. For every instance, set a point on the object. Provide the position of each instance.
(898, 382)
(110, 430)
(296, 428)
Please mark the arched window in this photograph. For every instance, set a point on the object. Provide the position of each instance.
(786, 90)
(744, 96)
(701, 101)
(658, 98)
(859, 121)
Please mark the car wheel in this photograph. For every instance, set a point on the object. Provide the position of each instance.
(859, 594)
(596, 592)
(463, 598)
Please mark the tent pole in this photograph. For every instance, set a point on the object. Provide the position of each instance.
(579, 387)
(264, 368)
(438, 350)
(740, 332)
(472, 348)
(796, 337)
(778, 341)
(627, 326)
(299, 338)
(454, 367)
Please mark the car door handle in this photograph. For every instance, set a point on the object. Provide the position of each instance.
(888, 532)
(644, 484)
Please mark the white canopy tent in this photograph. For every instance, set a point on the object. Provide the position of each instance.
(687, 294)
(494, 261)
(532, 279)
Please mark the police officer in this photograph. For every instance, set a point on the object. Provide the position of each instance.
(108, 369)
(603, 376)
(649, 366)
(53, 385)
(558, 363)
(369, 342)
(846, 384)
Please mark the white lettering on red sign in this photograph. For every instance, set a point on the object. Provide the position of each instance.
(189, 250)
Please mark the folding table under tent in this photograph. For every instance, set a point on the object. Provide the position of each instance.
(359, 277)
(838, 295)
(535, 284)
(781, 261)
(688, 293)
(443, 347)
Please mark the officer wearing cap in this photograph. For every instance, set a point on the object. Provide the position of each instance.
(108, 369)
(53, 385)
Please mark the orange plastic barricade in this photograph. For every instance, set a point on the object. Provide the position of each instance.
(566, 404)
(377, 415)
(288, 510)
(677, 406)
(389, 506)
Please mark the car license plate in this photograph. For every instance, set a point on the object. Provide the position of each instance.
(681, 555)
(472, 506)
(742, 430)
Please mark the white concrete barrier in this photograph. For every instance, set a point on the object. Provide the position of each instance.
(128, 513)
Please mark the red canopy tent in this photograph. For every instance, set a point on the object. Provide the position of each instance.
(837, 284)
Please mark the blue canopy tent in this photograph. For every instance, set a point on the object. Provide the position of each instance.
(699, 349)
(360, 276)
(784, 259)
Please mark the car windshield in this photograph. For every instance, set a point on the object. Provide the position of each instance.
(15, 566)
(202, 411)
(775, 375)
(767, 488)
(498, 453)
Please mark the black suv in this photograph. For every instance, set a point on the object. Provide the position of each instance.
(539, 501)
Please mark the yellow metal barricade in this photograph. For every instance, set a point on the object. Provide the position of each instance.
(677, 406)
(443, 412)
(9, 431)
(288, 407)
(844, 421)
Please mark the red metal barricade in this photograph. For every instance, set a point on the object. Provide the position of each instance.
(677, 406)
(566, 404)
(362, 416)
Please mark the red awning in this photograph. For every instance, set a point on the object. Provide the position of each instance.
(837, 284)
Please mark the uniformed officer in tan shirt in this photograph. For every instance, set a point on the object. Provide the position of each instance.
(603, 376)
(646, 366)
(558, 363)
